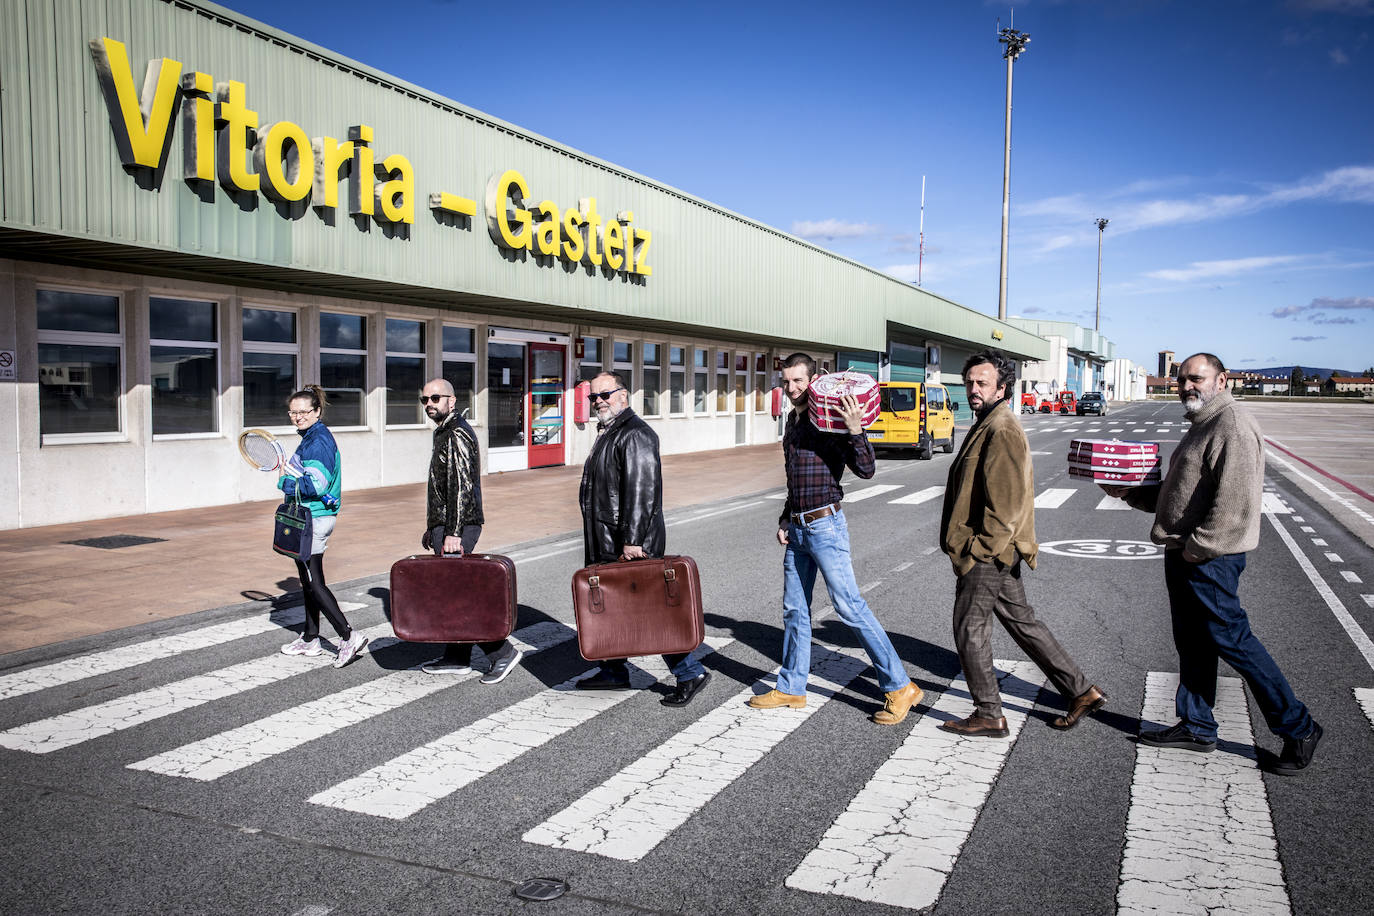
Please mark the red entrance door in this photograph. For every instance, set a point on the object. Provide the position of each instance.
(545, 407)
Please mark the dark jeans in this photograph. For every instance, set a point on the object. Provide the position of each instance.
(460, 653)
(988, 590)
(319, 598)
(1209, 623)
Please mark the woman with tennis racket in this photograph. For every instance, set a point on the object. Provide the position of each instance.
(312, 476)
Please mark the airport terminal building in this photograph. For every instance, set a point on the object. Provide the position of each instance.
(199, 214)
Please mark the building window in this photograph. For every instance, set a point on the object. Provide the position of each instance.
(270, 351)
(701, 388)
(343, 367)
(183, 353)
(405, 371)
(624, 364)
(80, 355)
(653, 380)
(760, 382)
(741, 382)
(722, 381)
(591, 359)
(460, 366)
(677, 380)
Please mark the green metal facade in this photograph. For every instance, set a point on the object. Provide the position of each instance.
(66, 197)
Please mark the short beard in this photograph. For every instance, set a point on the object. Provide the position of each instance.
(1195, 403)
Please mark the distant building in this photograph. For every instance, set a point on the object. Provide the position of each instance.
(1167, 364)
(1355, 384)
(1078, 359)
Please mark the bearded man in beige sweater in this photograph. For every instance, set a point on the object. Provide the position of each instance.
(1207, 517)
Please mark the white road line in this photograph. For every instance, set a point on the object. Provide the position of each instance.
(1111, 502)
(1033, 454)
(314, 910)
(902, 566)
(255, 742)
(46, 735)
(1271, 503)
(1333, 557)
(1365, 697)
(865, 589)
(898, 840)
(1299, 520)
(635, 810)
(518, 558)
(1319, 542)
(928, 551)
(1053, 498)
(121, 657)
(1307, 529)
(1349, 576)
(1199, 837)
(1368, 599)
(1140, 430)
(781, 494)
(714, 513)
(920, 496)
(419, 778)
(1352, 629)
(866, 492)
(1117, 430)
(1294, 471)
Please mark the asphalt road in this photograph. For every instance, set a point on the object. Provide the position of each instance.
(195, 770)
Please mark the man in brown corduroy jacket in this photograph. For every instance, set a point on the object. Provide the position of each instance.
(987, 529)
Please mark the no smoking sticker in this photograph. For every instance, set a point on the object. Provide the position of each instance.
(1104, 549)
(7, 372)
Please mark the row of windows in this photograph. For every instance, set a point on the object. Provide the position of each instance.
(81, 356)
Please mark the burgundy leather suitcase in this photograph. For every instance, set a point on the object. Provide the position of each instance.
(453, 599)
(638, 607)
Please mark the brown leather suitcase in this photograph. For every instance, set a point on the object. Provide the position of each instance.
(638, 607)
(453, 599)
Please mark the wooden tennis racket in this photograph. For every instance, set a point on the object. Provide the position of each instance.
(261, 450)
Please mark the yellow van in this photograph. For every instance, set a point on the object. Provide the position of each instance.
(914, 415)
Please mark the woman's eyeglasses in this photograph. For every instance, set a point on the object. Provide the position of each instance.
(293, 414)
(433, 398)
(602, 395)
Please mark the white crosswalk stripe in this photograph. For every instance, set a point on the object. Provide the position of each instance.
(419, 778)
(1111, 503)
(119, 658)
(899, 839)
(1199, 837)
(57, 732)
(255, 742)
(866, 492)
(1053, 498)
(1365, 697)
(920, 496)
(635, 810)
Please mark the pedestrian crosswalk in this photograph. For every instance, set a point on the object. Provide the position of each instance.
(1048, 498)
(1198, 834)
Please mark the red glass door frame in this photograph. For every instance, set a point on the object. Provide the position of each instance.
(541, 426)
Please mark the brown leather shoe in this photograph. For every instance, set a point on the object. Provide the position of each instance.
(1090, 701)
(774, 699)
(898, 704)
(976, 727)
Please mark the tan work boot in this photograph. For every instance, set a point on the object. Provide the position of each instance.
(898, 704)
(774, 699)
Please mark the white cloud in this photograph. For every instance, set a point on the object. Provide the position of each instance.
(833, 229)
(1338, 57)
(1308, 339)
(1200, 270)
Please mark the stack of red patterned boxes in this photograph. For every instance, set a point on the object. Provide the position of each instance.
(1116, 462)
(826, 392)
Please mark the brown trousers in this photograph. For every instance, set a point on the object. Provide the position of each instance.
(990, 589)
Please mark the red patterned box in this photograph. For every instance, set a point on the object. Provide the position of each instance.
(826, 391)
(1114, 461)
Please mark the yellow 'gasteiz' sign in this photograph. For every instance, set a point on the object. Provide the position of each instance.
(223, 142)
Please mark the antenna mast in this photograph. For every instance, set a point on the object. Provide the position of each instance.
(921, 257)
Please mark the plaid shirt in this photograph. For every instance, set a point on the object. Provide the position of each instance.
(815, 462)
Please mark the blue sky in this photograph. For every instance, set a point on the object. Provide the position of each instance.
(1230, 144)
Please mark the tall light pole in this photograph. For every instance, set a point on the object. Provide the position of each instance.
(1097, 319)
(1015, 43)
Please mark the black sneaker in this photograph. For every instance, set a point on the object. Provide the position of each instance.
(1178, 736)
(1297, 753)
(604, 681)
(682, 694)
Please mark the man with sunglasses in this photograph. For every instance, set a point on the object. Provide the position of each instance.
(454, 518)
(622, 517)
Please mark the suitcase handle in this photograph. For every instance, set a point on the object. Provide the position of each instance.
(598, 605)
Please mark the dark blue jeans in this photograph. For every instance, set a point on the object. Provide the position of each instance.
(1209, 623)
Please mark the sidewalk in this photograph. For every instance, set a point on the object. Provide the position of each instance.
(52, 591)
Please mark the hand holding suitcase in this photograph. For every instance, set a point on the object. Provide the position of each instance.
(453, 599)
(639, 607)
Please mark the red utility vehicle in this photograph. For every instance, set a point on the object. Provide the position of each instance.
(1028, 402)
(1066, 402)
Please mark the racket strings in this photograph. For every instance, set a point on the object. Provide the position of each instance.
(260, 451)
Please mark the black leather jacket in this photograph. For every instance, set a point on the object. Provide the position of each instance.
(622, 491)
(454, 496)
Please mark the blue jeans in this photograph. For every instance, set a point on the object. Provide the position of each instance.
(824, 545)
(683, 666)
(1209, 623)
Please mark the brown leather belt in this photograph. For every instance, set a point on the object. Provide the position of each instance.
(806, 518)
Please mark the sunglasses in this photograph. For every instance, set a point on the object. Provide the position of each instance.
(602, 395)
(433, 398)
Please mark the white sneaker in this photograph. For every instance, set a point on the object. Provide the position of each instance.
(301, 647)
(349, 648)
(439, 666)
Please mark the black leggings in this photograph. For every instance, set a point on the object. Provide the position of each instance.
(460, 653)
(319, 598)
